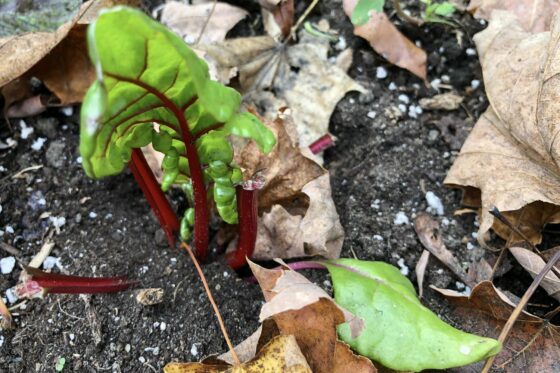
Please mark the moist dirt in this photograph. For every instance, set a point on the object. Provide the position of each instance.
(388, 155)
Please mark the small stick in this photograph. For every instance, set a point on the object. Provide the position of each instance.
(206, 22)
(405, 17)
(211, 299)
(300, 20)
(522, 303)
(10, 249)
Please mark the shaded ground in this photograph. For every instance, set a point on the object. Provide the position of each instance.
(381, 166)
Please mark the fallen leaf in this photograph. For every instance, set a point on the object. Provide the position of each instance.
(300, 75)
(427, 229)
(444, 101)
(188, 20)
(479, 271)
(285, 169)
(396, 321)
(531, 346)
(534, 15)
(278, 17)
(510, 159)
(290, 233)
(59, 59)
(280, 355)
(387, 40)
(313, 325)
(533, 264)
(420, 271)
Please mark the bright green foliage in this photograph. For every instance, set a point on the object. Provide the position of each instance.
(146, 74)
(360, 14)
(399, 331)
(437, 12)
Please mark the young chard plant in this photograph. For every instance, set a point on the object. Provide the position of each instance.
(152, 88)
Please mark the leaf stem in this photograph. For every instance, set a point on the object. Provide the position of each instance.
(213, 303)
(322, 143)
(247, 207)
(154, 195)
(522, 303)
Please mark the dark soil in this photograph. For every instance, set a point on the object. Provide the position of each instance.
(379, 167)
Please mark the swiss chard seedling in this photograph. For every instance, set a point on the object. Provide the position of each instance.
(152, 88)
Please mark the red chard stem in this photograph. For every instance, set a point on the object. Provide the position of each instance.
(322, 143)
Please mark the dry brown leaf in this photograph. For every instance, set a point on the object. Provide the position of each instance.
(278, 17)
(286, 290)
(427, 229)
(291, 233)
(313, 325)
(445, 101)
(388, 41)
(533, 264)
(280, 355)
(188, 20)
(510, 159)
(534, 15)
(59, 58)
(285, 169)
(420, 271)
(301, 76)
(532, 345)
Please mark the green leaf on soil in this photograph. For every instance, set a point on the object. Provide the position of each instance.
(360, 15)
(399, 331)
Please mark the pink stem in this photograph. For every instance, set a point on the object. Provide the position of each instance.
(322, 143)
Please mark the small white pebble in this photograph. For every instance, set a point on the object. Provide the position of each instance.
(475, 83)
(127, 347)
(9, 229)
(470, 52)
(371, 114)
(440, 271)
(434, 202)
(162, 326)
(79, 160)
(459, 285)
(57, 221)
(25, 130)
(38, 143)
(226, 274)
(392, 86)
(7, 265)
(402, 107)
(404, 268)
(67, 110)
(50, 262)
(470, 246)
(194, 350)
(445, 221)
(401, 219)
(1, 340)
(71, 336)
(92, 215)
(404, 98)
(381, 72)
(142, 359)
(341, 43)
(435, 84)
(445, 78)
(11, 295)
(377, 237)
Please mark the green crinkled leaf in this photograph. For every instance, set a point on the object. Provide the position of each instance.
(399, 331)
(444, 9)
(147, 75)
(360, 14)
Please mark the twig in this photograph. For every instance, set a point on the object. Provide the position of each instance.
(206, 22)
(211, 299)
(10, 249)
(522, 303)
(405, 17)
(300, 21)
(18, 174)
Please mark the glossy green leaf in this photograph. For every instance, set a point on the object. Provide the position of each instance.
(444, 9)
(360, 14)
(248, 126)
(399, 331)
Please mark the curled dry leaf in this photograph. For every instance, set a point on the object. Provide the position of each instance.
(313, 322)
(445, 101)
(59, 59)
(280, 355)
(533, 264)
(386, 40)
(532, 345)
(427, 229)
(188, 20)
(420, 271)
(534, 15)
(510, 160)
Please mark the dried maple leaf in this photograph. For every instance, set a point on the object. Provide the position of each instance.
(534, 15)
(302, 309)
(59, 59)
(510, 160)
(532, 345)
(280, 355)
(189, 20)
(386, 40)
